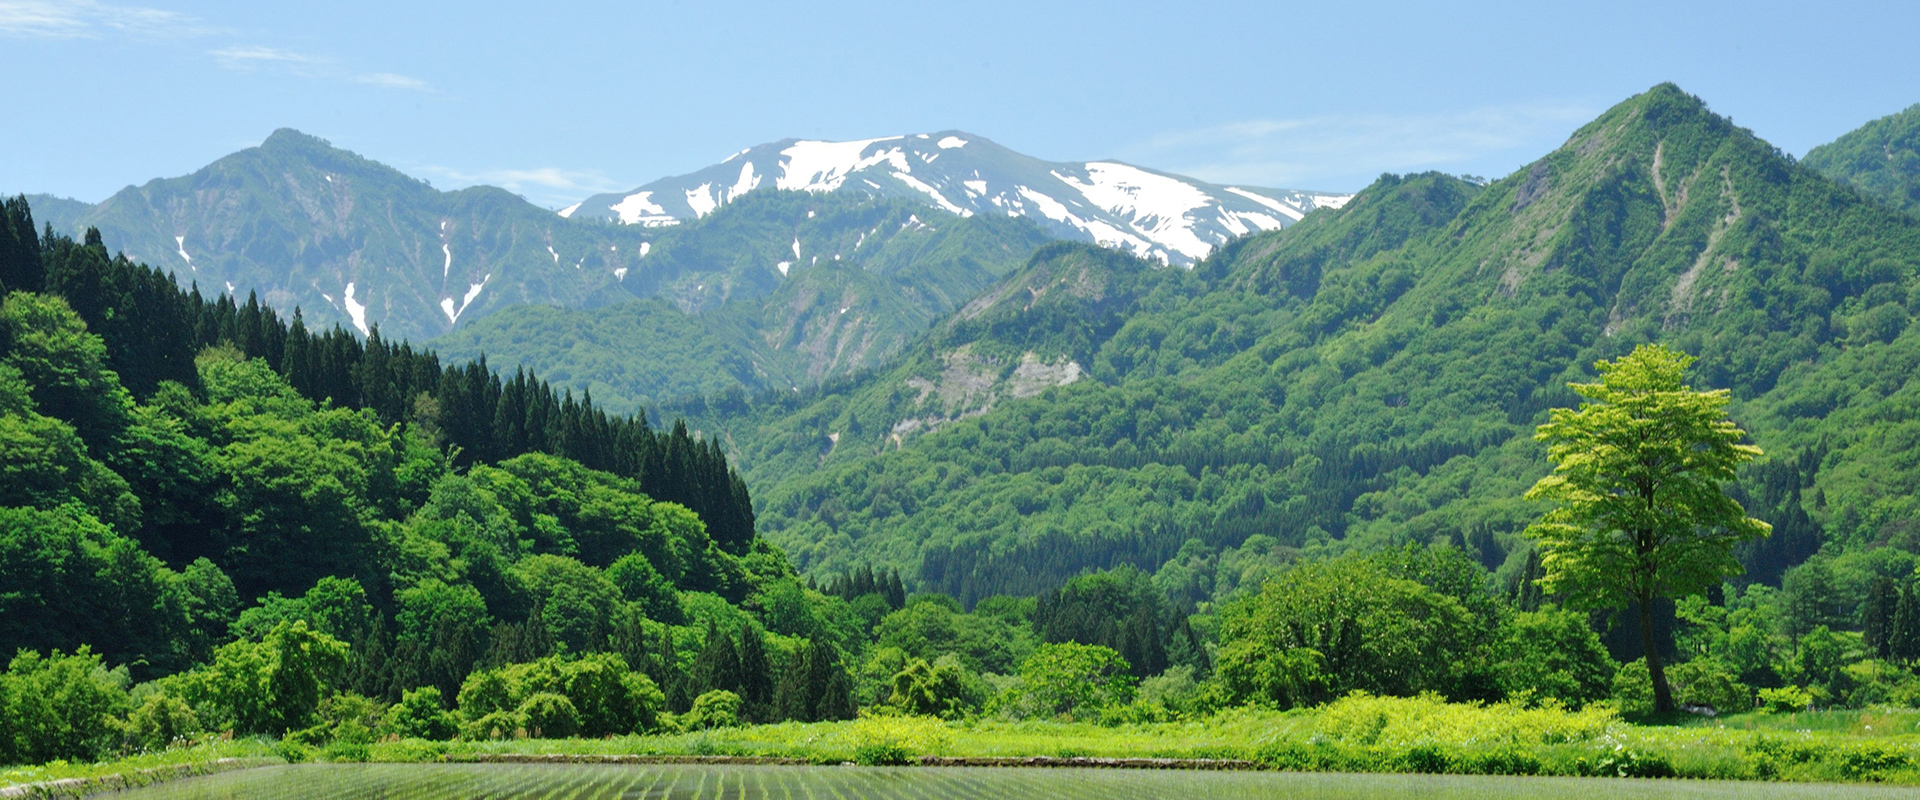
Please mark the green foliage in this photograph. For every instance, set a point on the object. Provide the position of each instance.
(1638, 482)
(1075, 681)
(1785, 699)
(60, 707)
(162, 721)
(1640, 509)
(1552, 653)
(602, 697)
(929, 630)
(884, 740)
(1342, 625)
(422, 714)
(1880, 158)
(717, 708)
(942, 689)
(1711, 683)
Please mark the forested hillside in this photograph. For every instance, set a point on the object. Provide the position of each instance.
(1372, 377)
(189, 487)
(1881, 158)
(779, 290)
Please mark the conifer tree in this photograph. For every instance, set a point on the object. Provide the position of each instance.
(1877, 617)
(756, 677)
(718, 664)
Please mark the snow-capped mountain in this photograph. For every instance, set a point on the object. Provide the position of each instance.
(1151, 214)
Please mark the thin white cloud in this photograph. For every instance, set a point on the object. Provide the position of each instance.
(87, 19)
(251, 57)
(84, 19)
(1300, 152)
(389, 80)
(547, 185)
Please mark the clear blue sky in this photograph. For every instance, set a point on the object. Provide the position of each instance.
(558, 101)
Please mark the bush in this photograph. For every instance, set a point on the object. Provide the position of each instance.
(715, 709)
(897, 740)
(62, 706)
(420, 714)
(549, 716)
(1552, 653)
(608, 699)
(1785, 700)
(1709, 682)
(161, 721)
(1633, 688)
(1068, 680)
(942, 689)
(1352, 621)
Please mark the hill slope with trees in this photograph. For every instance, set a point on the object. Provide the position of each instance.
(1372, 376)
(1881, 158)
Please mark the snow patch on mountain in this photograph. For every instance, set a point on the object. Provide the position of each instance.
(446, 303)
(824, 166)
(639, 209)
(355, 310)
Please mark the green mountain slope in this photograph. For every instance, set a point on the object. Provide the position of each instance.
(775, 291)
(1882, 158)
(1372, 375)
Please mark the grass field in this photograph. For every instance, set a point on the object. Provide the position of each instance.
(1359, 734)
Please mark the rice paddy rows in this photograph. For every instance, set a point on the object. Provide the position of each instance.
(731, 782)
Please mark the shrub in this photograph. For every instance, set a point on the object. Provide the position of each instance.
(896, 739)
(549, 716)
(942, 689)
(715, 709)
(1633, 688)
(1786, 699)
(62, 706)
(1068, 680)
(161, 721)
(420, 714)
(1709, 682)
(606, 696)
(1552, 653)
(1365, 628)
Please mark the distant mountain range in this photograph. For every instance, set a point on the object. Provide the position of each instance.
(1147, 213)
(353, 242)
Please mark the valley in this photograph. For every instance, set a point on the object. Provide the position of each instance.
(896, 450)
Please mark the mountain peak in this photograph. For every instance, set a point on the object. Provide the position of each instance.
(1145, 212)
(290, 139)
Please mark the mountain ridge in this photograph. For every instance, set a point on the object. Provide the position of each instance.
(1372, 375)
(1146, 212)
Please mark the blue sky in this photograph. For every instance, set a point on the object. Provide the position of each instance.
(557, 101)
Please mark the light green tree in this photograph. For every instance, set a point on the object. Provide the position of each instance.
(1639, 508)
(1069, 679)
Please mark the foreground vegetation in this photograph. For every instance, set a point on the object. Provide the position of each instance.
(1359, 733)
